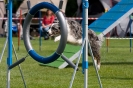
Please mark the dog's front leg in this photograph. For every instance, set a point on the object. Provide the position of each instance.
(57, 38)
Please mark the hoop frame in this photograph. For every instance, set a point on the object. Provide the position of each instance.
(64, 32)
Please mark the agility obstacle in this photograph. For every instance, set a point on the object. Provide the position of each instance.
(63, 40)
(71, 52)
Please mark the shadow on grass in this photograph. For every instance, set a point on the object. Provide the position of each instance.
(116, 47)
(105, 63)
(118, 78)
(117, 63)
(69, 52)
(109, 63)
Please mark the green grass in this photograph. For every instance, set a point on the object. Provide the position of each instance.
(116, 68)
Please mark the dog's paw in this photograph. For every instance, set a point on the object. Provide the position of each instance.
(98, 66)
(56, 39)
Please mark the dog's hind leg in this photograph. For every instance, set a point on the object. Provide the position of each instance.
(95, 61)
(98, 63)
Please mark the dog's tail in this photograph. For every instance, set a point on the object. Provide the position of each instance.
(100, 40)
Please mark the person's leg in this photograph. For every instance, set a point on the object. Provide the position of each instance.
(40, 31)
(46, 34)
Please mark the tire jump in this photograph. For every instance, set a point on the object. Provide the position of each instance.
(62, 24)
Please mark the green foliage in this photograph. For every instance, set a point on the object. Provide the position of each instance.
(116, 68)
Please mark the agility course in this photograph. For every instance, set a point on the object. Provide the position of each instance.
(121, 11)
(57, 53)
(28, 45)
(115, 68)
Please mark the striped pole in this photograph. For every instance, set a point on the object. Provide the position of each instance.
(73, 18)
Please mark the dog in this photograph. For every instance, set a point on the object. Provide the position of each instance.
(75, 37)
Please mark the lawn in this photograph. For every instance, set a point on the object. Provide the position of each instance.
(116, 68)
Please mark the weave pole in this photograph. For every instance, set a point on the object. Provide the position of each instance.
(19, 28)
(107, 41)
(40, 32)
(130, 32)
(108, 34)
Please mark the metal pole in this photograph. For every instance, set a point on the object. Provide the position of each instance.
(107, 35)
(130, 33)
(28, 4)
(85, 5)
(9, 59)
(68, 61)
(95, 65)
(107, 41)
(19, 28)
(77, 63)
(3, 50)
(19, 66)
(40, 32)
(60, 4)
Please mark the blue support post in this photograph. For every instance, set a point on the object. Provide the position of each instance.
(9, 58)
(85, 5)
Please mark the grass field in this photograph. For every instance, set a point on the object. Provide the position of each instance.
(116, 68)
